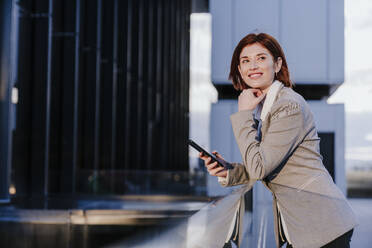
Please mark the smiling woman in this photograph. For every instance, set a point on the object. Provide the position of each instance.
(279, 144)
(257, 66)
(258, 57)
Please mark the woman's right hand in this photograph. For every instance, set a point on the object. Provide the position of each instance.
(249, 99)
(213, 168)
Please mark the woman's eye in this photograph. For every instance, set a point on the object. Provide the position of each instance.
(245, 61)
(262, 58)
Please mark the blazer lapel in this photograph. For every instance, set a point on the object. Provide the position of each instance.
(260, 113)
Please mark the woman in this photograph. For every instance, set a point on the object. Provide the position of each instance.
(275, 132)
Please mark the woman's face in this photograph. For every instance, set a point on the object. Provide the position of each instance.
(257, 66)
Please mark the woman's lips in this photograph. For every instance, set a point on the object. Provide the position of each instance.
(255, 75)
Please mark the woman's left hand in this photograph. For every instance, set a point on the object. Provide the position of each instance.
(249, 99)
(213, 168)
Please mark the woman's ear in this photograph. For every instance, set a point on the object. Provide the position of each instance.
(278, 64)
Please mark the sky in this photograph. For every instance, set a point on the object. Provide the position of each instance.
(355, 93)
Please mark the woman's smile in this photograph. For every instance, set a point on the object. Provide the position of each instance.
(255, 75)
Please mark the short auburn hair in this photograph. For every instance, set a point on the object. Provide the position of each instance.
(271, 44)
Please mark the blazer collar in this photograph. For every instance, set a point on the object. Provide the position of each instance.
(261, 111)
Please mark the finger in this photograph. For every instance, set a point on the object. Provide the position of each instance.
(207, 160)
(245, 91)
(211, 166)
(222, 173)
(248, 92)
(261, 97)
(258, 99)
(202, 156)
(259, 93)
(215, 171)
(218, 155)
(254, 90)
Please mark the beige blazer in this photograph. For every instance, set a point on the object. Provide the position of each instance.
(314, 210)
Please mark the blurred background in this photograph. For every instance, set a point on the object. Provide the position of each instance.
(98, 99)
(356, 94)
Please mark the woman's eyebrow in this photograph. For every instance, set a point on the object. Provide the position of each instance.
(259, 54)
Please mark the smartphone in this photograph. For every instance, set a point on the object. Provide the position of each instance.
(220, 162)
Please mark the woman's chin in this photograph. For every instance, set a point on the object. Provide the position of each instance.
(255, 85)
(258, 85)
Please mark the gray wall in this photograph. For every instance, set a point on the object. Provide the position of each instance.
(311, 33)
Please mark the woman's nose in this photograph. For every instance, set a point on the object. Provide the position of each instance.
(253, 65)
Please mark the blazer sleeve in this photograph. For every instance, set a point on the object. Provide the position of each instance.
(282, 135)
(237, 175)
